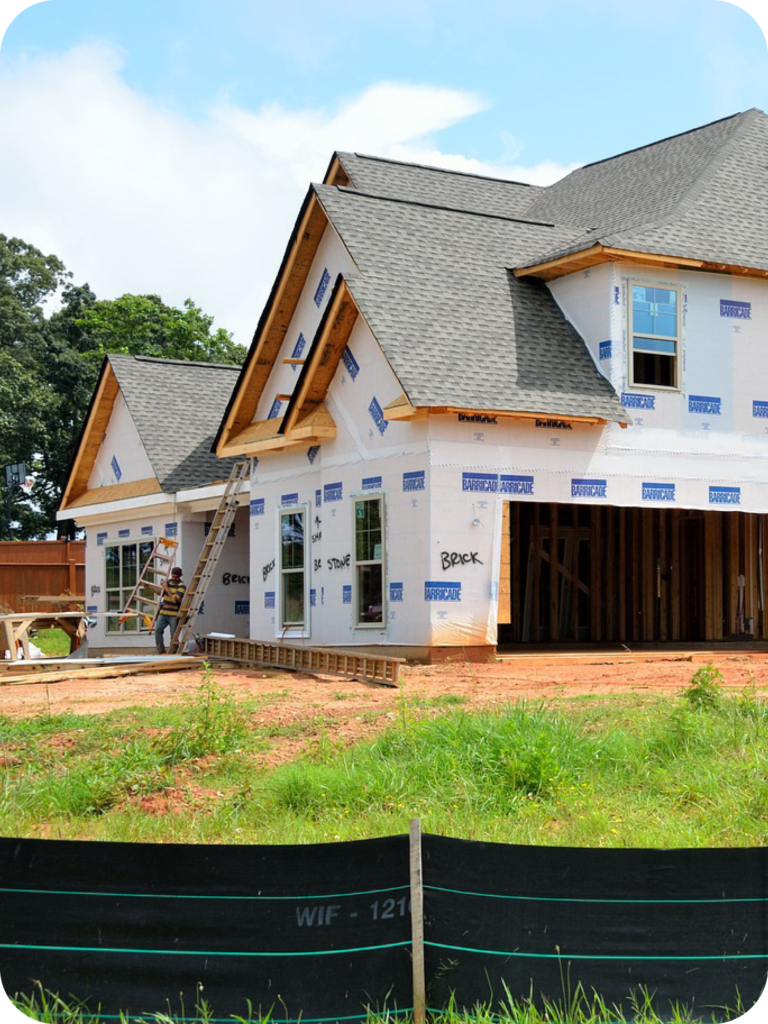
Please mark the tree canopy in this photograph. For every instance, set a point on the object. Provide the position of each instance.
(49, 366)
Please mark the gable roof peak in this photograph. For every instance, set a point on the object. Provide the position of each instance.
(172, 362)
(434, 167)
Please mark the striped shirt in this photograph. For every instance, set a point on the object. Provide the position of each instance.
(171, 601)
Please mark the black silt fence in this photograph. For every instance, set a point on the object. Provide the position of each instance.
(323, 932)
(687, 926)
(319, 932)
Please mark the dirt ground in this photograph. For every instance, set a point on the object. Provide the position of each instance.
(350, 705)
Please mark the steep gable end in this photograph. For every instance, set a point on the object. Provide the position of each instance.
(149, 429)
(82, 487)
(272, 327)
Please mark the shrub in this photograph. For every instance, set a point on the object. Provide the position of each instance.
(704, 689)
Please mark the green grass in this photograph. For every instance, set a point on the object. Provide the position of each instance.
(688, 770)
(574, 1008)
(54, 643)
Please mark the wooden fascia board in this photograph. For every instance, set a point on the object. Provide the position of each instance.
(617, 255)
(597, 254)
(260, 430)
(316, 424)
(273, 325)
(401, 409)
(116, 492)
(264, 436)
(564, 263)
(324, 354)
(91, 436)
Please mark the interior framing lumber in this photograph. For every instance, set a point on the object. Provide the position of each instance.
(603, 574)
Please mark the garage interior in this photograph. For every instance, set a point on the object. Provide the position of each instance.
(629, 575)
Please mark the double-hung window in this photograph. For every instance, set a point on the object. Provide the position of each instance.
(292, 562)
(654, 328)
(369, 561)
(124, 563)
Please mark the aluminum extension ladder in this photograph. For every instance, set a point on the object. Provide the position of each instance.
(209, 556)
(152, 577)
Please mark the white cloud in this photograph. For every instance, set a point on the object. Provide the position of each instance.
(135, 197)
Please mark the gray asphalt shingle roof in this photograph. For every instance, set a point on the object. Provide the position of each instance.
(379, 177)
(458, 328)
(699, 195)
(435, 250)
(177, 407)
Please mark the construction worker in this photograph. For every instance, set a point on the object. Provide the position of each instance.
(170, 602)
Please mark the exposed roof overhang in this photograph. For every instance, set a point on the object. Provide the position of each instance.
(272, 326)
(307, 420)
(401, 409)
(117, 492)
(582, 259)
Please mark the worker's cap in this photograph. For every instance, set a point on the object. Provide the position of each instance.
(176, 571)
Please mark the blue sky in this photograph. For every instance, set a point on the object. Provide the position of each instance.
(166, 146)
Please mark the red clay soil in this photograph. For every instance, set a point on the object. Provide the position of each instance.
(286, 697)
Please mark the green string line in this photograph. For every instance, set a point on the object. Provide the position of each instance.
(589, 899)
(198, 952)
(592, 956)
(182, 896)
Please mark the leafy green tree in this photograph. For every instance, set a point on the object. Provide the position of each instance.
(28, 279)
(144, 325)
(49, 365)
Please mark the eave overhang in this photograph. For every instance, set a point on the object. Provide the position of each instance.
(401, 409)
(307, 420)
(273, 325)
(583, 259)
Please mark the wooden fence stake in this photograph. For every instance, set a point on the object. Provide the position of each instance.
(417, 924)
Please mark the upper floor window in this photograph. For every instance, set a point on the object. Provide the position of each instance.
(654, 327)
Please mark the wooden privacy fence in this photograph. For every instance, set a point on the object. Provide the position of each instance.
(41, 569)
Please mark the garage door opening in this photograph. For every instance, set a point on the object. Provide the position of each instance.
(575, 574)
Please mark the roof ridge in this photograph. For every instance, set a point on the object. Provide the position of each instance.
(435, 206)
(667, 138)
(173, 362)
(440, 170)
(608, 234)
(712, 166)
(708, 173)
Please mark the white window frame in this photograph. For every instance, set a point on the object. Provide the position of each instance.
(678, 339)
(369, 496)
(298, 630)
(114, 626)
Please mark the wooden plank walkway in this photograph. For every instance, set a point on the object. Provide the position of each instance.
(371, 667)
